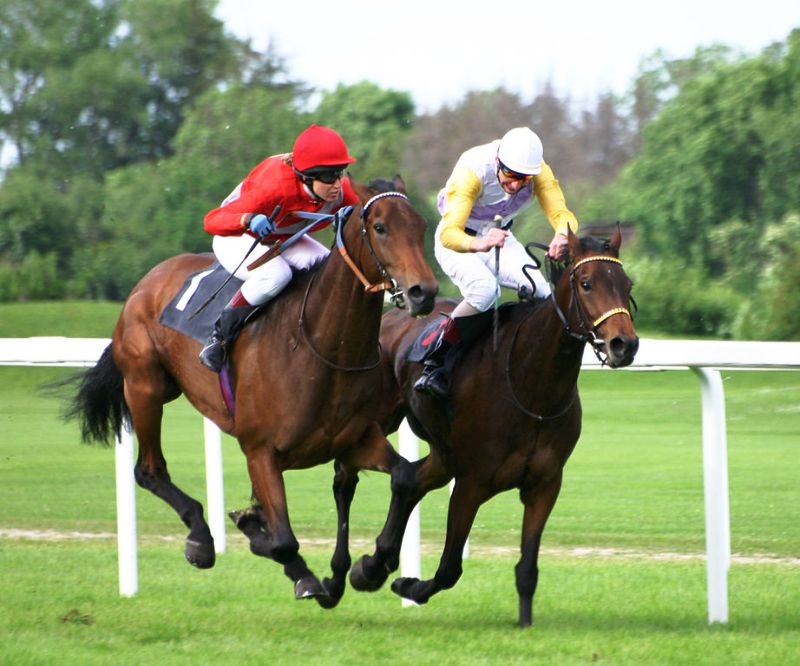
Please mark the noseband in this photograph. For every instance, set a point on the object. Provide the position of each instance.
(389, 283)
(588, 334)
(588, 329)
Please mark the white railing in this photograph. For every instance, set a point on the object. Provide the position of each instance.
(704, 358)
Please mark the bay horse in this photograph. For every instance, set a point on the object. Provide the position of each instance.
(513, 417)
(305, 381)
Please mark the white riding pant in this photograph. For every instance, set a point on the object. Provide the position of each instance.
(268, 280)
(474, 272)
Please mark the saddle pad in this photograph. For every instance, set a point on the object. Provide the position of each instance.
(195, 291)
(425, 340)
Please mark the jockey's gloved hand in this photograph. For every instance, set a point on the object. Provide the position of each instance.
(261, 225)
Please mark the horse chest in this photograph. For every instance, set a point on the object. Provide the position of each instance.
(527, 466)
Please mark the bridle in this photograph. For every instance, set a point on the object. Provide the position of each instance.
(587, 333)
(588, 330)
(389, 284)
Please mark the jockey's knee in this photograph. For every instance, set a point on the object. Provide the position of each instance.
(262, 287)
(480, 294)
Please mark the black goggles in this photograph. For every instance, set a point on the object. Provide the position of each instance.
(327, 176)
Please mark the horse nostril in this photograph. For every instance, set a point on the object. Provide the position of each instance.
(415, 293)
(623, 346)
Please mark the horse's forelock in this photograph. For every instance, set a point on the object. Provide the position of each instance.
(594, 244)
(380, 185)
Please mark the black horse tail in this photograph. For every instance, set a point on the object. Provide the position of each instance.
(99, 403)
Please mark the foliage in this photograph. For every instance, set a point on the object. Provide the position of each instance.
(128, 120)
(374, 123)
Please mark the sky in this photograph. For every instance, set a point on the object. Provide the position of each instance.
(440, 50)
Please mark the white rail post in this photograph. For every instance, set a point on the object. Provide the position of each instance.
(410, 565)
(215, 495)
(715, 488)
(126, 514)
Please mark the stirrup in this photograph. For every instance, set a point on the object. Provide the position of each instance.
(433, 381)
(213, 354)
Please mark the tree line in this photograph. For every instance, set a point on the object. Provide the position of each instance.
(123, 122)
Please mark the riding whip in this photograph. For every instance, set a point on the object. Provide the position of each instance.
(278, 248)
(272, 218)
(498, 220)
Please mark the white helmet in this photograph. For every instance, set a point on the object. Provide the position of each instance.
(521, 151)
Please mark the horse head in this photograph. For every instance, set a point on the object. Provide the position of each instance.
(391, 246)
(596, 293)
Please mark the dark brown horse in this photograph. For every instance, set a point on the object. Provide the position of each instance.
(305, 380)
(513, 418)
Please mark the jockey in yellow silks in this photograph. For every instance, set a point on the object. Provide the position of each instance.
(488, 186)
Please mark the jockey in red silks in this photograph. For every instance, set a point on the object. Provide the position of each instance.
(309, 179)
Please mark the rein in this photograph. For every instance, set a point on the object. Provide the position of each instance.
(588, 335)
(389, 284)
(301, 329)
(396, 294)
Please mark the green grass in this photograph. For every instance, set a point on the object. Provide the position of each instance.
(62, 609)
(634, 482)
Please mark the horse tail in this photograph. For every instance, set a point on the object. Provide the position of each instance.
(99, 403)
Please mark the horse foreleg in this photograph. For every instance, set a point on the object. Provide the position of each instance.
(538, 504)
(150, 471)
(281, 544)
(345, 480)
(461, 513)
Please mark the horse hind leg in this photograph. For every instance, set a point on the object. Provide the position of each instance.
(151, 473)
(410, 483)
(463, 508)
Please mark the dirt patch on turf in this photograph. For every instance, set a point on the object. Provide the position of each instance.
(238, 540)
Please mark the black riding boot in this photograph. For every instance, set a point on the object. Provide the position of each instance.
(230, 322)
(434, 380)
(456, 338)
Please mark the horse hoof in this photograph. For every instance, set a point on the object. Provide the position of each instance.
(309, 588)
(361, 582)
(200, 555)
(402, 587)
(333, 594)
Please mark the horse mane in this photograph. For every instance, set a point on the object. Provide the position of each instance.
(595, 244)
(381, 185)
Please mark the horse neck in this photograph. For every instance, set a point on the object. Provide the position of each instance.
(544, 348)
(341, 317)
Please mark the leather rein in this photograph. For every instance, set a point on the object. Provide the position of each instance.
(388, 284)
(586, 335)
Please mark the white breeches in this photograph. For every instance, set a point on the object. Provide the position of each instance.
(474, 272)
(266, 281)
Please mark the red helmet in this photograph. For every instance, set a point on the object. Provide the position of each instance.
(319, 146)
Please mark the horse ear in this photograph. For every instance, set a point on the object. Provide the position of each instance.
(616, 240)
(573, 243)
(398, 183)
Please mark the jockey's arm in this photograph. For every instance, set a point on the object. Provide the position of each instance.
(554, 205)
(461, 191)
(233, 216)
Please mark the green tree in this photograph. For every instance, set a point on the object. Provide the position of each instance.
(374, 122)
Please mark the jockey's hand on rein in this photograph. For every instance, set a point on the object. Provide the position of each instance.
(261, 225)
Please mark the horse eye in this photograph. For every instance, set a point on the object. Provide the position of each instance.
(586, 285)
(379, 229)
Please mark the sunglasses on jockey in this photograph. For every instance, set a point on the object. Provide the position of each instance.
(513, 175)
(327, 175)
